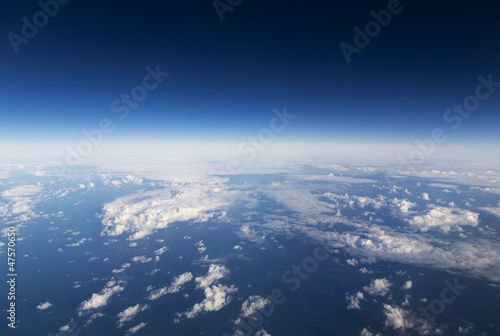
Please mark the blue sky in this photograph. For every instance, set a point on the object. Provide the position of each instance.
(226, 77)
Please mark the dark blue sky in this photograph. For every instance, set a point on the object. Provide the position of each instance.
(226, 77)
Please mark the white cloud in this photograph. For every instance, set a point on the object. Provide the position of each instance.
(78, 243)
(216, 297)
(161, 250)
(101, 299)
(492, 210)
(378, 287)
(402, 206)
(44, 305)
(408, 285)
(65, 327)
(22, 191)
(352, 262)
(179, 281)
(444, 219)
(262, 332)
(135, 329)
(201, 246)
(406, 302)
(215, 273)
(353, 200)
(158, 293)
(252, 304)
(402, 319)
(130, 313)
(397, 318)
(237, 248)
(144, 212)
(132, 179)
(354, 300)
(365, 332)
(174, 287)
(20, 201)
(142, 259)
(425, 197)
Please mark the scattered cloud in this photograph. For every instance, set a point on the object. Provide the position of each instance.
(408, 285)
(130, 313)
(216, 297)
(174, 287)
(135, 329)
(100, 299)
(144, 212)
(214, 274)
(378, 287)
(142, 259)
(44, 305)
(354, 300)
(444, 219)
(492, 210)
(252, 304)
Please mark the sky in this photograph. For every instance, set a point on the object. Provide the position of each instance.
(225, 77)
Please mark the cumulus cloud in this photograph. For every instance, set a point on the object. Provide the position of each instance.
(365, 332)
(252, 304)
(352, 262)
(44, 305)
(100, 299)
(476, 257)
(201, 246)
(216, 297)
(402, 206)
(22, 191)
(142, 259)
(354, 300)
(397, 318)
(444, 219)
(135, 329)
(144, 212)
(78, 243)
(20, 202)
(161, 250)
(343, 200)
(378, 287)
(174, 287)
(215, 273)
(425, 197)
(408, 285)
(129, 314)
(492, 210)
